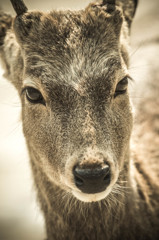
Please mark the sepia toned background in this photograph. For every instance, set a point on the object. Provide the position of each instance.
(20, 217)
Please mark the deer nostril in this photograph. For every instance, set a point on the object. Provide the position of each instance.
(107, 176)
(92, 180)
(79, 181)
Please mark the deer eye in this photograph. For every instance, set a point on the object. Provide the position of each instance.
(121, 87)
(34, 96)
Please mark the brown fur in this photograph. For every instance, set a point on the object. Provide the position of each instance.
(76, 60)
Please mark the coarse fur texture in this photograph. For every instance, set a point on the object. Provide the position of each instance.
(76, 60)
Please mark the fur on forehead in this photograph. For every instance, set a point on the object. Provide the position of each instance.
(56, 27)
(55, 40)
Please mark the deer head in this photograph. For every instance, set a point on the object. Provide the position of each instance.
(73, 82)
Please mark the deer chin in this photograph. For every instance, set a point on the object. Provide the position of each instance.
(85, 197)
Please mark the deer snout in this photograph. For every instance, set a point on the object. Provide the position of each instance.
(92, 179)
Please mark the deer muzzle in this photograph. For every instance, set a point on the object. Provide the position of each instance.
(94, 179)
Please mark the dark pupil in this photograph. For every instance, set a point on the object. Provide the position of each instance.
(33, 94)
(122, 84)
(124, 81)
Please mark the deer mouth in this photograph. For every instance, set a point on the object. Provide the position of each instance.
(85, 197)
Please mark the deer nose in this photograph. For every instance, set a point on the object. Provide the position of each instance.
(92, 180)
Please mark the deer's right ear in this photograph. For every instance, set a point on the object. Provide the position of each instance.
(25, 22)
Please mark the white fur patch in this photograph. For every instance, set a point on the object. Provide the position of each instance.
(28, 81)
(84, 197)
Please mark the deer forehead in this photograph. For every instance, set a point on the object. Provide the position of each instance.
(78, 76)
(78, 73)
(76, 48)
(75, 65)
(94, 16)
(66, 31)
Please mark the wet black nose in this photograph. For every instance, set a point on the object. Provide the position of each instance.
(92, 180)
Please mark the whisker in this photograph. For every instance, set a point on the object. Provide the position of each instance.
(135, 50)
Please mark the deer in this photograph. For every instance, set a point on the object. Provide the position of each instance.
(71, 71)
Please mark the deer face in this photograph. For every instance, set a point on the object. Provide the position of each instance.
(76, 113)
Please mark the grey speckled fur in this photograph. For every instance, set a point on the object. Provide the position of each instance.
(75, 59)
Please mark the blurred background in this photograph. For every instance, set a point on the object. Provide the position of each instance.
(20, 217)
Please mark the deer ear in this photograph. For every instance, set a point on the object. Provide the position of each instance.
(26, 25)
(25, 22)
(129, 9)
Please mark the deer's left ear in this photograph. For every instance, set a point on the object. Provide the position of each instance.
(129, 9)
